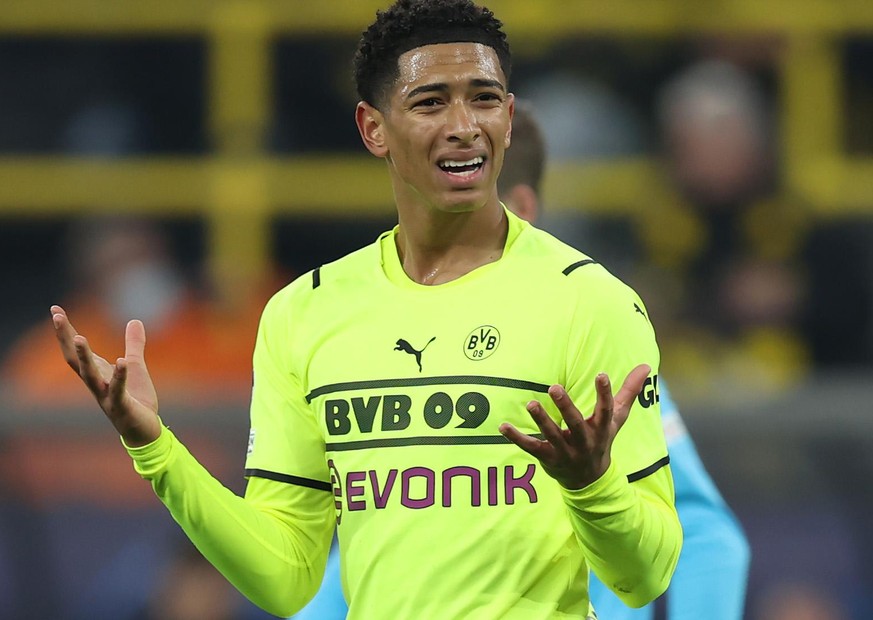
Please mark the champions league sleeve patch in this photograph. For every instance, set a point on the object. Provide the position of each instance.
(251, 445)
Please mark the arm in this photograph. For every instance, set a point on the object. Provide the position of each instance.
(612, 466)
(629, 531)
(329, 603)
(714, 562)
(272, 545)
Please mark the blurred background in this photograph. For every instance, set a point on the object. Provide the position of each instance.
(180, 160)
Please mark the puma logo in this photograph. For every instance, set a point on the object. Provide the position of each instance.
(404, 346)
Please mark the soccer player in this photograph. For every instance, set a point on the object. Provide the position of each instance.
(710, 579)
(406, 394)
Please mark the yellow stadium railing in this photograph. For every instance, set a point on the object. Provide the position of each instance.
(239, 187)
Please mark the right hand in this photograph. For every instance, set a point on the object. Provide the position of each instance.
(124, 390)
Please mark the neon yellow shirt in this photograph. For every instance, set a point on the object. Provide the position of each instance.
(376, 403)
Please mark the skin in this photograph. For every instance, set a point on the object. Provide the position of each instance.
(449, 102)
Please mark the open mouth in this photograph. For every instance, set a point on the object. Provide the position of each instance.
(462, 169)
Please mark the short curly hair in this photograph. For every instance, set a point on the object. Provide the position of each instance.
(408, 24)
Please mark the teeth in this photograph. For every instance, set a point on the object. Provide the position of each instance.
(463, 173)
(460, 164)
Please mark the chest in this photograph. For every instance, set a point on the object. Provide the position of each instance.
(448, 365)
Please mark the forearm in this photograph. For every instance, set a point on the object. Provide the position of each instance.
(274, 555)
(630, 533)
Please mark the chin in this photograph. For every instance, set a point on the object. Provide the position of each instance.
(456, 203)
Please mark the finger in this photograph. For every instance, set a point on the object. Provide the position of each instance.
(65, 333)
(604, 406)
(537, 448)
(572, 417)
(87, 367)
(134, 341)
(551, 432)
(630, 389)
(117, 384)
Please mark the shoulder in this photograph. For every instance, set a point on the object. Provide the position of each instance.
(328, 280)
(572, 271)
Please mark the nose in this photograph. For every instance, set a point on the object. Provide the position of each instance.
(461, 124)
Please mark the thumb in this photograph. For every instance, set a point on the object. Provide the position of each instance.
(630, 389)
(134, 341)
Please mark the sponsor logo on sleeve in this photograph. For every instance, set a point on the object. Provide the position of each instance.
(649, 395)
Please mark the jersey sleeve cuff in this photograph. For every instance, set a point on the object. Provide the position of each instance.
(151, 459)
(602, 495)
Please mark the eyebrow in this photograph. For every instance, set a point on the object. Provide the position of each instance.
(443, 87)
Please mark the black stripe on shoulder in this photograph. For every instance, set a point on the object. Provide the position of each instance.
(301, 482)
(316, 277)
(576, 265)
(648, 471)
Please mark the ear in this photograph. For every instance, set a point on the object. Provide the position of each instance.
(370, 124)
(510, 100)
(522, 200)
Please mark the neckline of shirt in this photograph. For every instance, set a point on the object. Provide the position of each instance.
(393, 269)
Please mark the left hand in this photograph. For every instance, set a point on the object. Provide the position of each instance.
(579, 454)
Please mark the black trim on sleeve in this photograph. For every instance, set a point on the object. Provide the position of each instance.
(648, 471)
(588, 261)
(316, 277)
(301, 482)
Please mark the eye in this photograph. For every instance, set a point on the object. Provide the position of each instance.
(488, 98)
(427, 103)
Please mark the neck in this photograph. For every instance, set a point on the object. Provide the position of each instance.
(437, 247)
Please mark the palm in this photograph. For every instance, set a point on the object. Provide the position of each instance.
(139, 387)
(124, 390)
(579, 454)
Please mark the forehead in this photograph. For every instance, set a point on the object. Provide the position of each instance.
(448, 62)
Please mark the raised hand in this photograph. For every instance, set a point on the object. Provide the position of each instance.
(579, 454)
(124, 390)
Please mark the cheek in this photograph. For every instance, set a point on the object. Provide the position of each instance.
(497, 128)
(415, 145)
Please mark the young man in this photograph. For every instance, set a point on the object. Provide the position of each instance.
(391, 385)
(710, 579)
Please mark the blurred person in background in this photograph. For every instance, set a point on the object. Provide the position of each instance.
(728, 264)
(122, 267)
(435, 106)
(118, 267)
(745, 267)
(710, 579)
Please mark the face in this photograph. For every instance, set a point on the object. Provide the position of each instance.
(444, 127)
(718, 159)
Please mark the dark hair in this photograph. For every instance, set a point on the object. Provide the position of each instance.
(525, 158)
(408, 24)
